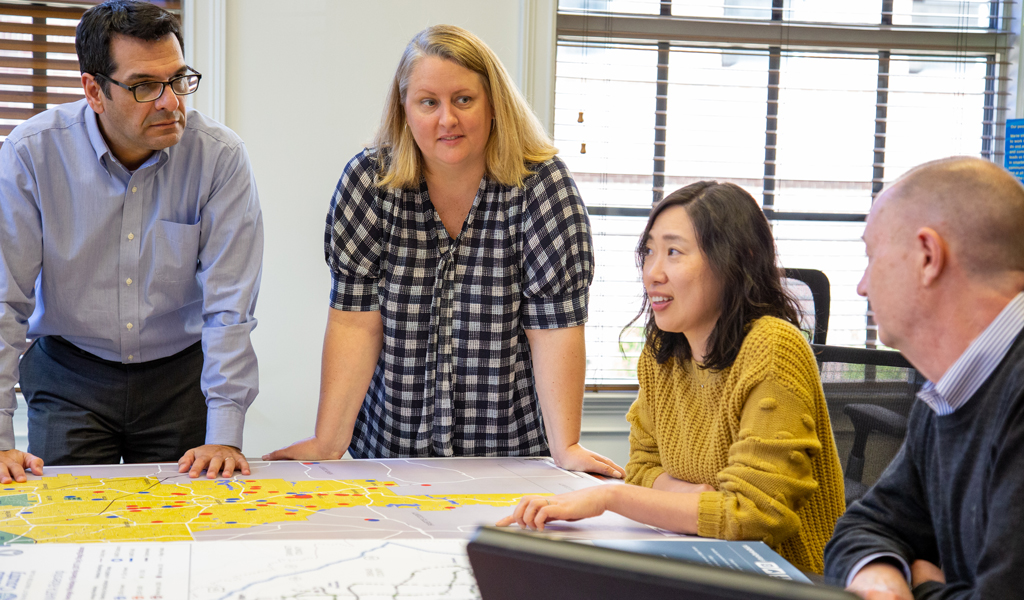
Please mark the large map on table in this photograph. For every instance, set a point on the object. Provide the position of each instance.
(369, 499)
(366, 529)
(264, 570)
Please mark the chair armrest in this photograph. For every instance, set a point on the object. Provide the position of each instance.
(867, 418)
(870, 417)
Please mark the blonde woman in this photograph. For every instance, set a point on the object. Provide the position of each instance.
(461, 259)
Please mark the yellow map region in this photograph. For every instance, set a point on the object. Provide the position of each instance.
(74, 509)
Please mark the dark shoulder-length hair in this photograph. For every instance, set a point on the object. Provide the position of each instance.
(737, 241)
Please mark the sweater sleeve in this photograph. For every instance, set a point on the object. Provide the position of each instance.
(769, 473)
(644, 464)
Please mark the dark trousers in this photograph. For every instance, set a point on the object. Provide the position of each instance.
(83, 410)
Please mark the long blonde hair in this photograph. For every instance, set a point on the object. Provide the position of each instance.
(517, 137)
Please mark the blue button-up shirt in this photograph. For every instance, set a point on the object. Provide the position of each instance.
(131, 266)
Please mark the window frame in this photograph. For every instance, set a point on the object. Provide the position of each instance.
(41, 47)
(997, 42)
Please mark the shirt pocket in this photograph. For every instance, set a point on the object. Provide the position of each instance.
(175, 251)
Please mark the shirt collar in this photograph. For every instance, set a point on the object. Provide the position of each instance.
(976, 364)
(99, 145)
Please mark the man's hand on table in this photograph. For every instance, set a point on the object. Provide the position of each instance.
(216, 459)
(922, 571)
(881, 581)
(13, 464)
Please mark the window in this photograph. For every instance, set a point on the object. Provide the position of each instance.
(38, 64)
(811, 106)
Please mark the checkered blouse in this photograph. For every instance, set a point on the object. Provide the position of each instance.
(454, 377)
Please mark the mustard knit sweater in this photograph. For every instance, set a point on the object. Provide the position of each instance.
(757, 431)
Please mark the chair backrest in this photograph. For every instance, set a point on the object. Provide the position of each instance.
(869, 395)
(815, 292)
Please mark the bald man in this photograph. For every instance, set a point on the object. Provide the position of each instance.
(945, 246)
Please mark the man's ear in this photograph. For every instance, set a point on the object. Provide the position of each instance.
(934, 255)
(94, 93)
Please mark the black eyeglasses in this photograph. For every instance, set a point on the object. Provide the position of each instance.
(151, 91)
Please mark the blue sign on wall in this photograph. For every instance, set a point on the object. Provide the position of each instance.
(1014, 148)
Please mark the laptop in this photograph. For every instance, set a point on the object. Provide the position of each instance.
(512, 564)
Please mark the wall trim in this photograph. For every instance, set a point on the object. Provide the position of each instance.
(536, 75)
(204, 24)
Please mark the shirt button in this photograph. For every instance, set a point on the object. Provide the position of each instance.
(130, 326)
(131, 236)
(134, 189)
(131, 357)
(128, 281)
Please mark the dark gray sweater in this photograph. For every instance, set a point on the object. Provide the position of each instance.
(954, 496)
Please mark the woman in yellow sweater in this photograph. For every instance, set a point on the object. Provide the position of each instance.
(730, 434)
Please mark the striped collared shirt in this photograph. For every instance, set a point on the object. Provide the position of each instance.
(975, 365)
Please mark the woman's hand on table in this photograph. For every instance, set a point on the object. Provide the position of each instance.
(671, 484)
(534, 511)
(578, 458)
(311, 448)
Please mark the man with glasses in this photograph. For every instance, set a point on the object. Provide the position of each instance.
(131, 243)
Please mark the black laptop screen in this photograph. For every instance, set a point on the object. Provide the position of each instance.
(509, 564)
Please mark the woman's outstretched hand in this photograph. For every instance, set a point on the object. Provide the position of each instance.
(534, 511)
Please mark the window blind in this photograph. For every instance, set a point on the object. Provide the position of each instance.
(810, 106)
(38, 64)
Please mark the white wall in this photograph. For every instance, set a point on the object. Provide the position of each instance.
(304, 89)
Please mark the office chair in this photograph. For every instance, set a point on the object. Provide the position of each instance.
(869, 394)
(820, 297)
